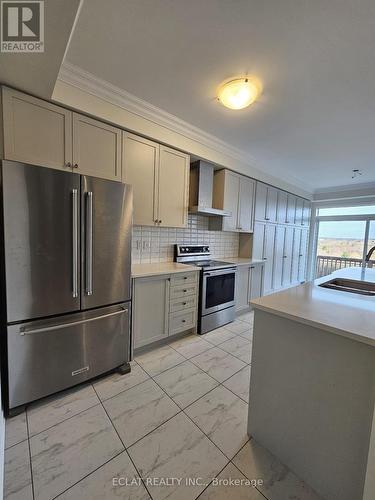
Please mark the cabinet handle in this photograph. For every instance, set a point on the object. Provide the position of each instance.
(160, 221)
(184, 320)
(75, 165)
(185, 277)
(285, 256)
(252, 267)
(264, 258)
(184, 303)
(68, 165)
(301, 254)
(266, 218)
(156, 221)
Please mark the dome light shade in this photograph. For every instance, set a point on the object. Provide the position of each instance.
(238, 93)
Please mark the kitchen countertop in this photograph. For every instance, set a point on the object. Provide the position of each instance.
(144, 270)
(242, 261)
(343, 313)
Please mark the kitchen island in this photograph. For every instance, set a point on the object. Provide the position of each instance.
(312, 390)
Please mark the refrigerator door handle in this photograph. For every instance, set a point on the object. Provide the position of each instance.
(60, 326)
(89, 243)
(75, 241)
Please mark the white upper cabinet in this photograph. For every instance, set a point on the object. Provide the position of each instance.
(173, 187)
(299, 211)
(96, 148)
(226, 196)
(140, 168)
(41, 133)
(306, 213)
(36, 131)
(246, 205)
(260, 201)
(271, 210)
(235, 193)
(282, 203)
(291, 209)
(160, 179)
(265, 203)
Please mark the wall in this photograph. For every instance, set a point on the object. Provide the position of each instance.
(155, 244)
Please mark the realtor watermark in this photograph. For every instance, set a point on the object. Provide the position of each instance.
(22, 26)
(184, 481)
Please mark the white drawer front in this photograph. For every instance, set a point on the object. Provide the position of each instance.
(181, 304)
(183, 278)
(183, 290)
(180, 322)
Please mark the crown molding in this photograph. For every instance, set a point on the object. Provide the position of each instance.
(87, 82)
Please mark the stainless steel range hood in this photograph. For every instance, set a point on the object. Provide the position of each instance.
(201, 189)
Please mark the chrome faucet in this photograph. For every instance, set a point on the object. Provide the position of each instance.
(370, 252)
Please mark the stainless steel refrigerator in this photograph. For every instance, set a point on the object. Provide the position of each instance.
(67, 279)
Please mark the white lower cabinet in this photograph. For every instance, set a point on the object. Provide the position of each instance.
(248, 285)
(150, 309)
(163, 306)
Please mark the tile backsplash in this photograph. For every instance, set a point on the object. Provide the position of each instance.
(156, 244)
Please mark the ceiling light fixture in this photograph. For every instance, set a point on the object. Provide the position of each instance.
(239, 93)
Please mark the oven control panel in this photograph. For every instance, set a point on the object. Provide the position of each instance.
(192, 250)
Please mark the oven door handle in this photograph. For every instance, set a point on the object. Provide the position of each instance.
(230, 270)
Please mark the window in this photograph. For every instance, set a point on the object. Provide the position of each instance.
(344, 236)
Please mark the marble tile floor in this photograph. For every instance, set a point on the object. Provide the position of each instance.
(175, 428)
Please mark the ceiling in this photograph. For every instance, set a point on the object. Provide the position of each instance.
(37, 73)
(315, 120)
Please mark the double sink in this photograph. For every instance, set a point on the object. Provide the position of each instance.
(352, 286)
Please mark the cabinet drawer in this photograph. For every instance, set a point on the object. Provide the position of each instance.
(182, 278)
(183, 290)
(181, 321)
(181, 304)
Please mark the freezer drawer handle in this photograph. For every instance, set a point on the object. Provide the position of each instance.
(89, 242)
(75, 242)
(73, 323)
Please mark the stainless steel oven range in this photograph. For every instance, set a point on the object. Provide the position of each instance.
(217, 286)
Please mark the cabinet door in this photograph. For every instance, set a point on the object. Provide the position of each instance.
(150, 309)
(303, 256)
(288, 255)
(278, 257)
(36, 131)
(140, 162)
(255, 282)
(269, 246)
(96, 148)
(282, 202)
(260, 201)
(173, 188)
(242, 288)
(231, 201)
(296, 254)
(306, 213)
(258, 240)
(246, 205)
(291, 209)
(271, 208)
(299, 211)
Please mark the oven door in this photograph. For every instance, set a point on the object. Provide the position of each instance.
(218, 290)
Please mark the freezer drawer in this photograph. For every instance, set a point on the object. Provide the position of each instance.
(47, 356)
